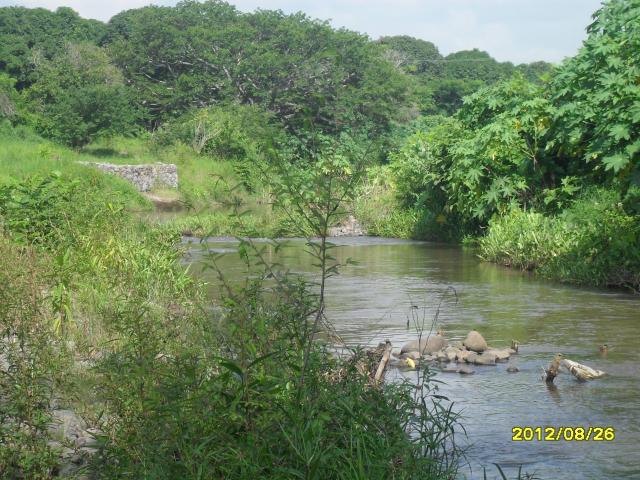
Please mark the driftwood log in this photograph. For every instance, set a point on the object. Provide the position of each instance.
(582, 372)
(382, 366)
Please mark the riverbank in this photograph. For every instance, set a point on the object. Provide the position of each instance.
(593, 241)
(102, 321)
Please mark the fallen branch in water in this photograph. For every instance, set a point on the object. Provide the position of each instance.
(383, 362)
(582, 372)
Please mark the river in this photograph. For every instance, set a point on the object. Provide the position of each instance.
(370, 302)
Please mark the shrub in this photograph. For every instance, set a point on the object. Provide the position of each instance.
(593, 242)
(32, 362)
(80, 96)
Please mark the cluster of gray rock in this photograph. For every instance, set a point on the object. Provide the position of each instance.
(350, 227)
(473, 350)
(145, 177)
(75, 442)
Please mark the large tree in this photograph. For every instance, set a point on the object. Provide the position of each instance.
(30, 36)
(201, 54)
(79, 95)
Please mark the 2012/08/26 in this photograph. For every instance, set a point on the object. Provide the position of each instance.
(567, 434)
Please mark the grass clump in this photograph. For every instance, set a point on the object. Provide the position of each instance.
(593, 242)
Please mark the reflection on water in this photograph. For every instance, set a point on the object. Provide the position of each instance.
(370, 301)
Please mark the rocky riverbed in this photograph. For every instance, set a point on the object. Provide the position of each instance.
(473, 350)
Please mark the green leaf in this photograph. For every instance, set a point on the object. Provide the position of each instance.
(620, 132)
(616, 162)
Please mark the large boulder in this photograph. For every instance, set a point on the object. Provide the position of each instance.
(475, 342)
(430, 345)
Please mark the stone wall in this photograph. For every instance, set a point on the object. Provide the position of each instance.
(145, 176)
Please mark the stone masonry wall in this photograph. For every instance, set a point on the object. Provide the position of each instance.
(144, 177)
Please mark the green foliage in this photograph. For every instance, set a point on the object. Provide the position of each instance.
(233, 132)
(35, 210)
(442, 82)
(484, 161)
(413, 55)
(300, 69)
(80, 95)
(29, 36)
(31, 364)
(379, 210)
(597, 94)
(253, 417)
(9, 99)
(593, 242)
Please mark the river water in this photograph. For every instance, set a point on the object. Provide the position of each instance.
(371, 301)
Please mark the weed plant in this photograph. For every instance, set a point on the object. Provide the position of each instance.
(593, 242)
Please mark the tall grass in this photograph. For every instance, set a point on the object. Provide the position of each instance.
(593, 242)
(204, 182)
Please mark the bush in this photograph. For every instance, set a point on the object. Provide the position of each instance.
(32, 362)
(380, 208)
(231, 132)
(593, 242)
(83, 115)
(231, 404)
(80, 95)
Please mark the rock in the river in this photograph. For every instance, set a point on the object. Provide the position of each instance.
(449, 369)
(430, 344)
(513, 369)
(475, 342)
(415, 355)
(442, 357)
(462, 355)
(502, 355)
(466, 370)
(471, 357)
(451, 353)
(485, 359)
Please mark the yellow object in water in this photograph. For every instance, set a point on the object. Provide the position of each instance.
(410, 362)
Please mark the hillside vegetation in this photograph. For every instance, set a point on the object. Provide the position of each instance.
(454, 144)
(302, 124)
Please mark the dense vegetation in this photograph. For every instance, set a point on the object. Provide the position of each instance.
(99, 317)
(538, 165)
(550, 173)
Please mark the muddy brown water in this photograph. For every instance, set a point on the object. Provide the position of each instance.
(370, 302)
